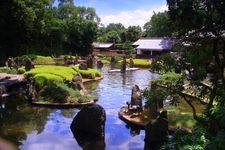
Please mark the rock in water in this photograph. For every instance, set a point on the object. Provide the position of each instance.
(156, 131)
(90, 120)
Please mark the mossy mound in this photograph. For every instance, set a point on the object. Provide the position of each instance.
(38, 60)
(44, 74)
(7, 70)
(90, 73)
(56, 92)
(142, 63)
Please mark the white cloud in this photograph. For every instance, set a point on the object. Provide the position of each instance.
(131, 18)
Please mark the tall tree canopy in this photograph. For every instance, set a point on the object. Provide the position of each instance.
(200, 26)
(40, 27)
(159, 25)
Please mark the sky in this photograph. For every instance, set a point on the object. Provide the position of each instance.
(127, 12)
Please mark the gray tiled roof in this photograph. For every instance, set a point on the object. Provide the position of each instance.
(154, 44)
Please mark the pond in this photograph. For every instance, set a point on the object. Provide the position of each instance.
(32, 128)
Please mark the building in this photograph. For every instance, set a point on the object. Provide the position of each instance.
(150, 47)
(102, 46)
(106, 49)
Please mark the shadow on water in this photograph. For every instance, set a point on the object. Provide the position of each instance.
(89, 142)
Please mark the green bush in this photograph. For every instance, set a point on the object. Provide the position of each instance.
(100, 55)
(44, 74)
(90, 73)
(188, 141)
(42, 60)
(142, 63)
(21, 70)
(60, 93)
(61, 71)
(8, 70)
(42, 79)
(38, 60)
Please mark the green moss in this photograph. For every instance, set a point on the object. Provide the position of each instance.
(60, 93)
(42, 60)
(7, 70)
(47, 73)
(181, 119)
(61, 71)
(21, 70)
(42, 79)
(105, 62)
(143, 63)
(90, 73)
(38, 60)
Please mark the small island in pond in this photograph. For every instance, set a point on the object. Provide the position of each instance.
(54, 86)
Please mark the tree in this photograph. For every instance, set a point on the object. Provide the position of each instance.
(159, 25)
(112, 37)
(88, 14)
(62, 2)
(200, 26)
(133, 33)
(22, 24)
(81, 35)
(118, 27)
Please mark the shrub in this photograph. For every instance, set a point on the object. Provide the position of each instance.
(38, 60)
(60, 93)
(21, 70)
(90, 73)
(54, 93)
(188, 141)
(42, 79)
(8, 70)
(143, 63)
(61, 71)
(44, 73)
(42, 60)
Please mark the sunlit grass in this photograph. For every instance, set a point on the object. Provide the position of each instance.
(7, 70)
(142, 63)
(180, 119)
(90, 73)
(61, 71)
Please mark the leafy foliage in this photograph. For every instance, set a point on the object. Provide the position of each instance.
(60, 71)
(90, 73)
(39, 27)
(200, 28)
(164, 63)
(61, 93)
(37, 59)
(8, 70)
(143, 63)
(182, 140)
(159, 25)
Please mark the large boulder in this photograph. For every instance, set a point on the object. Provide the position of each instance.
(157, 130)
(90, 120)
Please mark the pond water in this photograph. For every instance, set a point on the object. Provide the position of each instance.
(34, 128)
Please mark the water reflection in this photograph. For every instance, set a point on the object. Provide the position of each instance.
(32, 128)
(133, 130)
(89, 142)
(17, 120)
